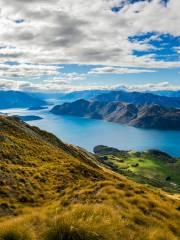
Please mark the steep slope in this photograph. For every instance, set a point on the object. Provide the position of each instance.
(33, 161)
(139, 98)
(145, 116)
(17, 99)
(45, 182)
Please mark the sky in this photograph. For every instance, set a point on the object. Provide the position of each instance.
(67, 45)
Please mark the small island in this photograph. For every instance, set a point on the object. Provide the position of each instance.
(29, 118)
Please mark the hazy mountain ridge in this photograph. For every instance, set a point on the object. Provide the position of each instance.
(17, 99)
(68, 96)
(85, 94)
(139, 98)
(145, 116)
(168, 93)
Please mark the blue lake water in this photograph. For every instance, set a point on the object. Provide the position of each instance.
(88, 133)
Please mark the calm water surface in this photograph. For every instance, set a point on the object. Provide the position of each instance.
(88, 133)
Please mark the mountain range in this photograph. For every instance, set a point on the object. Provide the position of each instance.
(18, 99)
(138, 98)
(67, 96)
(142, 116)
(50, 190)
(90, 94)
(85, 94)
(167, 93)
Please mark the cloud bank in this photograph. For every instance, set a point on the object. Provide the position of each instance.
(58, 85)
(125, 36)
(117, 70)
(85, 32)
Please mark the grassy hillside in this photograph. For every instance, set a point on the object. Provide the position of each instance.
(50, 191)
(152, 167)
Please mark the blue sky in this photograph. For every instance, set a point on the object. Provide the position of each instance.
(121, 4)
(161, 75)
(164, 46)
(75, 45)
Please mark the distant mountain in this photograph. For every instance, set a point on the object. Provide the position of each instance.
(17, 99)
(86, 94)
(47, 95)
(144, 116)
(167, 93)
(53, 98)
(68, 96)
(138, 98)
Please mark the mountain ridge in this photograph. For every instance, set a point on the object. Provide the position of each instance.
(139, 98)
(18, 99)
(145, 116)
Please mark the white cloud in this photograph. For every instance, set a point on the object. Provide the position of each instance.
(151, 87)
(29, 86)
(56, 85)
(27, 70)
(13, 85)
(52, 85)
(75, 76)
(117, 70)
(88, 32)
(177, 49)
(59, 81)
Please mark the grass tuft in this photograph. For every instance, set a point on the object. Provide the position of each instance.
(63, 230)
(85, 222)
(15, 233)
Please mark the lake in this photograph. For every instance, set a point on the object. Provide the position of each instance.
(88, 133)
